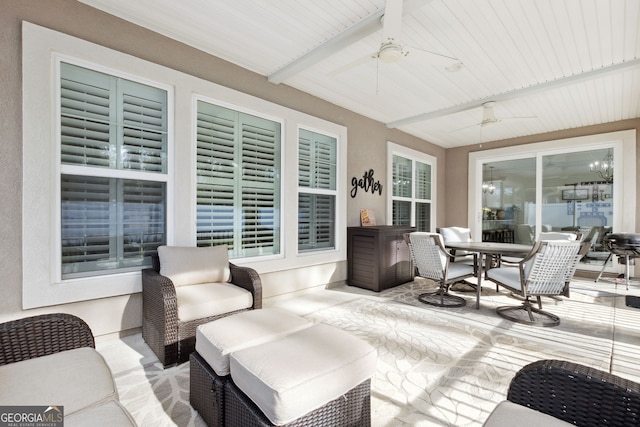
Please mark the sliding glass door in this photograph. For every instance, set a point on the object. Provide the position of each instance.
(508, 198)
(560, 187)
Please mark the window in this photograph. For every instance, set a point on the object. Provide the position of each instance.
(411, 185)
(113, 152)
(317, 192)
(238, 181)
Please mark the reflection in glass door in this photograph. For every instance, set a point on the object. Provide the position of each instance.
(508, 198)
(575, 195)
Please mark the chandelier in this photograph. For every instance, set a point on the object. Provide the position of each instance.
(490, 188)
(604, 168)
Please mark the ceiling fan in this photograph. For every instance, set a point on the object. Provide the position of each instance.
(391, 48)
(489, 117)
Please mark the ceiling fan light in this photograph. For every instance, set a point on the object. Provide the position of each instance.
(456, 66)
(390, 53)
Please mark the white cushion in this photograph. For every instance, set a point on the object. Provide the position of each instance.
(210, 299)
(511, 414)
(292, 376)
(74, 379)
(510, 276)
(216, 340)
(186, 265)
(108, 414)
(459, 269)
(455, 234)
(550, 235)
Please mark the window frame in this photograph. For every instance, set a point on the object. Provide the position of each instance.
(121, 174)
(43, 51)
(339, 187)
(201, 98)
(414, 156)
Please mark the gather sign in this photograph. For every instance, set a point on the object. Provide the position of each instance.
(367, 182)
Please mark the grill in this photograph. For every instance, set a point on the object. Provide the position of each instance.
(623, 245)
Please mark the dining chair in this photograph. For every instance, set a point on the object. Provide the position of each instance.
(456, 235)
(459, 235)
(545, 235)
(546, 271)
(433, 261)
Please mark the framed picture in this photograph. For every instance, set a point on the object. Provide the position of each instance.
(575, 194)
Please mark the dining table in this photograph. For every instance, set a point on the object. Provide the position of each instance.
(489, 250)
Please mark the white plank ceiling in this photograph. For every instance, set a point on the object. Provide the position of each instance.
(566, 63)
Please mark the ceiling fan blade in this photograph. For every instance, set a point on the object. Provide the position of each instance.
(520, 118)
(466, 127)
(432, 58)
(392, 22)
(353, 64)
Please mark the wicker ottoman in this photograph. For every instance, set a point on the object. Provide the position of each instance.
(319, 375)
(209, 364)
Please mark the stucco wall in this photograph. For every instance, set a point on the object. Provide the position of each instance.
(366, 145)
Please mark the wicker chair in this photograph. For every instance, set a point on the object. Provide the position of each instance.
(546, 271)
(170, 338)
(42, 335)
(573, 393)
(433, 261)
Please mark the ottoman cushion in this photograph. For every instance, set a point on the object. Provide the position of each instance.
(216, 340)
(291, 376)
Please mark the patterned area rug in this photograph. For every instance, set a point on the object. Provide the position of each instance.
(436, 367)
(451, 368)
(158, 397)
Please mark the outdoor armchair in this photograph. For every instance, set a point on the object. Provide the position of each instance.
(187, 287)
(545, 271)
(433, 261)
(569, 393)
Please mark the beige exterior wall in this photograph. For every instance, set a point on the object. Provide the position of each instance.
(366, 149)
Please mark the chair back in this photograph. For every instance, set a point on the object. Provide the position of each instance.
(552, 235)
(428, 255)
(551, 267)
(455, 235)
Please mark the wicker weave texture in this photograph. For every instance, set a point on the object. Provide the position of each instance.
(552, 267)
(171, 340)
(42, 335)
(577, 394)
(351, 409)
(427, 256)
(206, 391)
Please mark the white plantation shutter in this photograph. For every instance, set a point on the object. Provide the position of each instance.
(238, 189)
(411, 193)
(110, 223)
(110, 122)
(317, 156)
